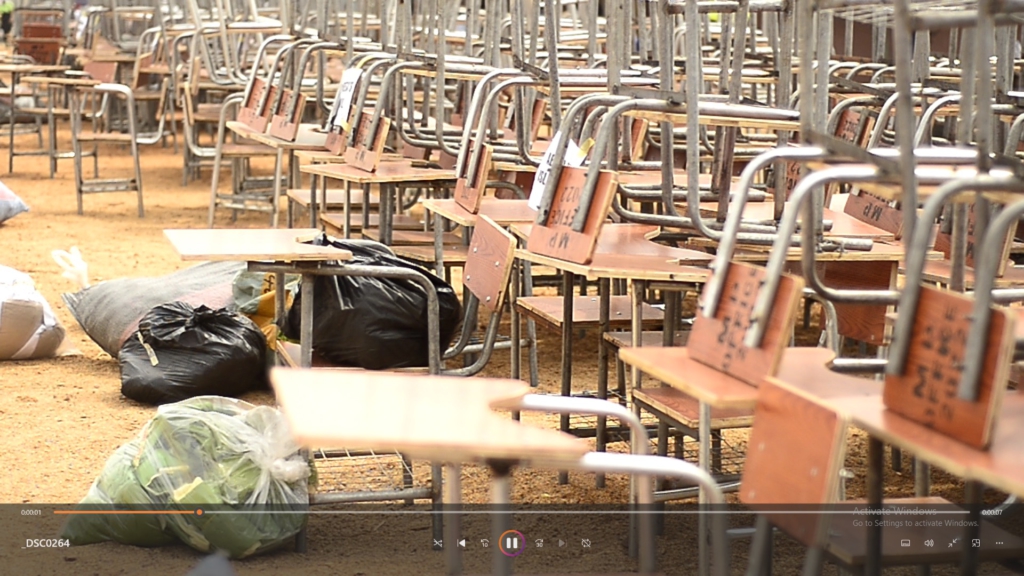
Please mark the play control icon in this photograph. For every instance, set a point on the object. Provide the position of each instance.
(512, 543)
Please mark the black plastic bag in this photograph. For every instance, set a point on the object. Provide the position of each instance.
(180, 352)
(374, 323)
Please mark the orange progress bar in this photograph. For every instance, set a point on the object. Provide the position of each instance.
(179, 512)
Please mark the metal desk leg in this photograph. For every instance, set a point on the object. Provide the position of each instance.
(279, 300)
(346, 227)
(452, 520)
(278, 172)
(14, 117)
(516, 359)
(366, 206)
(313, 204)
(306, 329)
(969, 557)
(385, 214)
(704, 461)
(439, 245)
(873, 560)
(604, 289)
(501, 489)
(922, 487)
(567, 301)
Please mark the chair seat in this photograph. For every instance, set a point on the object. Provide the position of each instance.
(411, 237)
(648, 338)
(848, 543)
(685, 409)
(453, 255)
(587, 311)
(334, 222)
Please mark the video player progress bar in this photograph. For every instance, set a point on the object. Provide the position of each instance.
(200, 512)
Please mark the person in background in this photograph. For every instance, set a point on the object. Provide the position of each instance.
(6, 11)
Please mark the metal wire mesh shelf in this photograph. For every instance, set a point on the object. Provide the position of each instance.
(363, 472)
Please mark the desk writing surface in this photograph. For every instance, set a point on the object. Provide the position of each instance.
(1001, 466)
(307, 138)
(674, 367)
(278, 245)
(444, 419)
(503, 212)
(843, 225)
(387, 172)
(61, 80)
(31, 68)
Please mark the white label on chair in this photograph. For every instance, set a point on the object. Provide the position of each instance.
(349, 79)
(573, 157)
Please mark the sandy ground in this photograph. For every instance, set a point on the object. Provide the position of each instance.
(61, 418)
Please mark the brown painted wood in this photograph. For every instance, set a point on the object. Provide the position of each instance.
(586, 311)
(862, 322)
(443, 419)
(248, 245)
(675, 367)
(555, 238)
(248, 112)
(261, 119)
(366, 153)
(718, 341)
(926, 392)
(944, 244)
(101, 71)
(489, 263)
(284, 125)
(685, 409)
(875, 211)
(795, 450)
(470, 190)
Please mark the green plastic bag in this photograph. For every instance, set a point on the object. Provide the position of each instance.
(234, 461)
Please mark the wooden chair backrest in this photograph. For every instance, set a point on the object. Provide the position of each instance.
(489, 263)
(927, 391)
(718, 341)
(101, 71)
(794, 455)
(944, 243)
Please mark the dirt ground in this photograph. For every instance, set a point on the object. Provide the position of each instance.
(61, 418)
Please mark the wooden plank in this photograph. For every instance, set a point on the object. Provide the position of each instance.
(586, 311)
(718, 341)
(277, 245)
(489, 263)
(248, 112)
(873, 210)
(442, 419)
(675, 367)
(284, 125)
(261, 119)
(366, 152)
(944, 244)
(796, 448)
(686, 409)
(863, 322)
(387, 173)
(926, 392)
(470, 190)
(556, 238)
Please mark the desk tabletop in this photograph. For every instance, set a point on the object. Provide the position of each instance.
(443, 419)
(843, 225)
(276, 245)
(626, 251)
(503, 212)
(61, 80)
(308, 138)
(31, 68)
(1001, 466)
(674, 367)
(386, 173)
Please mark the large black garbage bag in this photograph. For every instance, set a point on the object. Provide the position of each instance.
(374, 323)
(180, 352)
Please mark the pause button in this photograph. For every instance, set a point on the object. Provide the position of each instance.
(511, 543)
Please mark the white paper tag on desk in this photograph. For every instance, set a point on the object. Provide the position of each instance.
(573, 157)
(349, 79)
